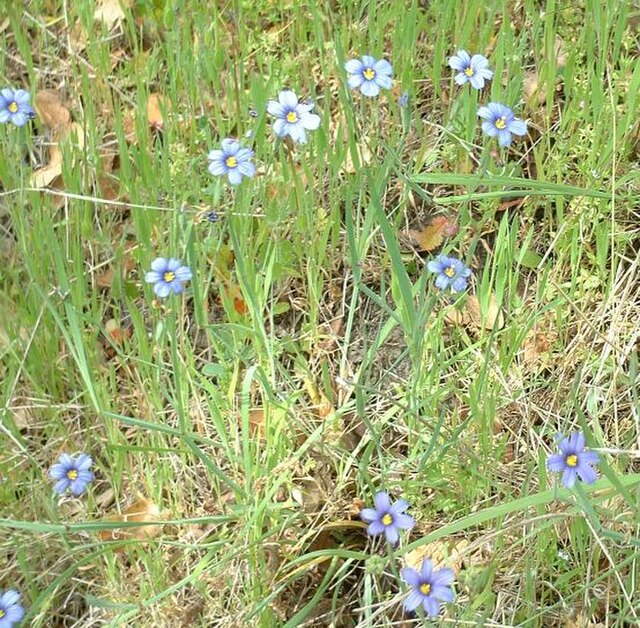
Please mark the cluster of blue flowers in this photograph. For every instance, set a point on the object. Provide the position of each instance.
(428, 586)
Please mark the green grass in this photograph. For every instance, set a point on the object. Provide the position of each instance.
(342, 341)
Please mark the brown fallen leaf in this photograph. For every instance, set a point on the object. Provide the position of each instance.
(441, 553)
(433, 235)
(493, 317)
(471, 315)
(111, 12)
(51, 111)
(72, 135)
(155, 105)
(140, 511)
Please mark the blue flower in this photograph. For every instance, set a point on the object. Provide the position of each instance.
(403, 101)
(11, 612)
(369, 75)
(474, 70)
(573, 461)
(293, 118)
(233, 161)
(167, 275)
(500, 120)
(14, 106)
(429, 587)
(72, 473)
(451, 273)
(386, 518)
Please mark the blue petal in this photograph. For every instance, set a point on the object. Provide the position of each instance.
(426, 569)
(382, 502)
(431, 606)
(159, 264)
(62, 485)
(369, 514)
(404, 522)
(276, 109)
(577, 442)
(386, 82)
(504, 138)
(375, 528)
(443, 577)
(477, 81)
(162, 289)
(556, 463)
(368, 61)
(391, 532)
(443, 593)
(459, 284)
(310, 121)
(247, 168)
(354, 66)
(485, 113)
(569, 477)
(587, 474)
(235, 176)
(383, 67)
(280, 127)
(413, 600)
(411, 576)
(288, 99)
(370, 89)
(355, 80)
(9, 598)
(19, 118)
(442, 282)
(183, 273)
(518, 127)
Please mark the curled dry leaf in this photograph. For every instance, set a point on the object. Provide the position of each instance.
(111, 12)
(51, 111)
(441, 553)
(141, 511)
(73, 135)
(155, 106)
(433, 235)
(471, 315)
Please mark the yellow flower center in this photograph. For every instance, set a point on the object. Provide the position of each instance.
(387, 520)
(231, 162)
(169, 276)
(13, 107)
(501, 122)
(1, 613)
(369, 74)
(469, 71)
(450, 271)
(72, 475)
(572, 460)
(292, 117)
(425, 588)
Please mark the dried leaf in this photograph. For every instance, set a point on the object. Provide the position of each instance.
(257, 422)
(155, 105)
(140, 511)
(493, 317)
(432, 236)
(51, 111)
(111, 12)
(442, 554)
(71, 134)
(472, 316)
(531, 87)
